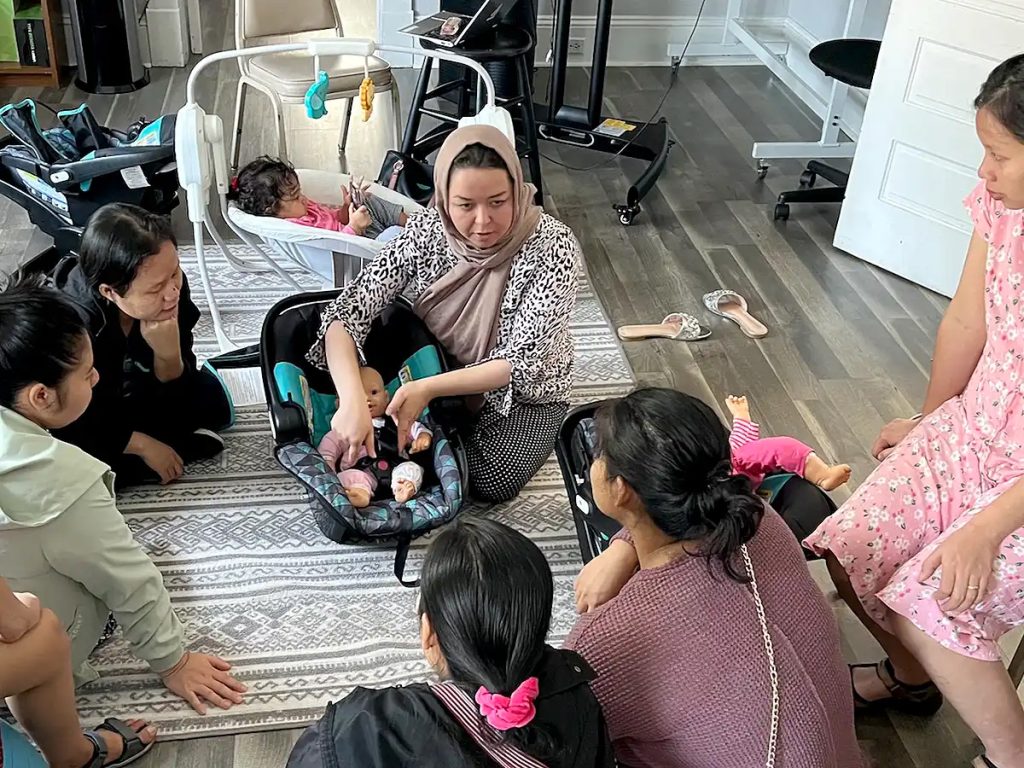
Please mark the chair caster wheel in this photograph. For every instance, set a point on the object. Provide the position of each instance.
(627, 214)
(807, 178)
(762, 169)
(781, 212)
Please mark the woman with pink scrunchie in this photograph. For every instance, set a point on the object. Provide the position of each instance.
(503, 696)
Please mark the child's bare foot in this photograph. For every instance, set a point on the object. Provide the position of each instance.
(828, 477)
(358, 497)
(738, 407)
(836, 476)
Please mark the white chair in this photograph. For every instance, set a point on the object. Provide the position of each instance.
(285, 77)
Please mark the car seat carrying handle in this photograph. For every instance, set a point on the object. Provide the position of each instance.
(67, 175)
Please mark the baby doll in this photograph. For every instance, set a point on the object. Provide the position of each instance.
(757, 457)
(270, 187)
(362, 479)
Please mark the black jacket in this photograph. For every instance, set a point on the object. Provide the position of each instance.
(125, 366)
(409, 727)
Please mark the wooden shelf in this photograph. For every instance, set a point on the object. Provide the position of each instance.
(14, 75)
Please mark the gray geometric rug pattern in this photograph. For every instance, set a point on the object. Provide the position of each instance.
(301, 619)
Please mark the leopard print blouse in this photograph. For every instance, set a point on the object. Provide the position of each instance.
(533, 327)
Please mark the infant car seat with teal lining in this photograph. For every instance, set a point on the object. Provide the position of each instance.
(63, 174)
(302, 402)
(801, 504)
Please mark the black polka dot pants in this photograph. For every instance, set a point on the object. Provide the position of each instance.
(505, 452)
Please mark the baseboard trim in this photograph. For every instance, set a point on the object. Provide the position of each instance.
(652, 41)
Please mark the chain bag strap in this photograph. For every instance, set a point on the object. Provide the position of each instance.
(769, 648)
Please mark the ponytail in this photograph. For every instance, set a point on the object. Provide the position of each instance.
(488, 593)
(673, 451)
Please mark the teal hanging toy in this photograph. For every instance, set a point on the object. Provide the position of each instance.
(316, 96)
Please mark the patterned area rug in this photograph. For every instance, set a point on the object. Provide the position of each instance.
(302, 619)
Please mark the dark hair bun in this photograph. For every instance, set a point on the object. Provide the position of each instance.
(736, 514)
(673, 451)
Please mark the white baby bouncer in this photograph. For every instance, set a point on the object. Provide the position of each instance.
(202, 163)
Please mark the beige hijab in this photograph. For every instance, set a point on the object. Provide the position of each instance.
(462, 307)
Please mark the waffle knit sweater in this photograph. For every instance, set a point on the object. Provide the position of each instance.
(683, 675)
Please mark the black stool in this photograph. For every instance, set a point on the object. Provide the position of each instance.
(507, 43)
(851, 61)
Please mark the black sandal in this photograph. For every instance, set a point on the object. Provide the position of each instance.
(921, 700)
(134, 747)
(983, 762)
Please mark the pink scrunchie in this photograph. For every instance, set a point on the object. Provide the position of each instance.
(507, 712)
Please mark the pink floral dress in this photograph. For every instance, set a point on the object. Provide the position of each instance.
(955, 463)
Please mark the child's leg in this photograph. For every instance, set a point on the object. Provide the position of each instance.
(35, 675)
(743, 433)
(743, 429)
(389, 234)
(359, 486)
(826, 476)
(787, 454)
(757, 458)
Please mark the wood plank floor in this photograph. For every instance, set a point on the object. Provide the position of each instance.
(849, 347)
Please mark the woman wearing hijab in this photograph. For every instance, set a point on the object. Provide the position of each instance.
(494, 278)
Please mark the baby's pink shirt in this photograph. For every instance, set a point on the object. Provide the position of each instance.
(322, 217)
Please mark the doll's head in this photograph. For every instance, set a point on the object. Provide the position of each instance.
(269, 187)
(377, 397)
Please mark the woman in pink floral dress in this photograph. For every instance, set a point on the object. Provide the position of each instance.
(930, 550)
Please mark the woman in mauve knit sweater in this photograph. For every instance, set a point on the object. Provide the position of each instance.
(683, 671)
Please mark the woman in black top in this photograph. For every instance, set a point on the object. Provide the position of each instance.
(485, 607)
(152, 411)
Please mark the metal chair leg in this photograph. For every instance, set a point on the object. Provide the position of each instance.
(396, 112)
(530, 129)
(346, 127)
(236, 138)
(1017, 665)
(282, 138)
(412, 125)
(464, 91)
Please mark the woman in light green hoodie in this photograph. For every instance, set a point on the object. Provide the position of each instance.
(62, 537)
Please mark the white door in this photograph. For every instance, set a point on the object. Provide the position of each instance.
(917, 154)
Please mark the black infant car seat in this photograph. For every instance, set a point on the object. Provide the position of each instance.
(302, 401)
(800, 503)
(62, 175)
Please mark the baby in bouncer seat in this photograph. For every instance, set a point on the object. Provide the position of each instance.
(270, 187)
(370, 477)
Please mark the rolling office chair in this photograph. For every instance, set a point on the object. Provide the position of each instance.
(851, 61)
